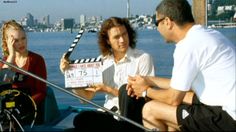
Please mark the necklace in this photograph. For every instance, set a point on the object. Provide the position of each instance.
(20, 62)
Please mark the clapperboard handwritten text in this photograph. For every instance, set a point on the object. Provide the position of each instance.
(81, 75)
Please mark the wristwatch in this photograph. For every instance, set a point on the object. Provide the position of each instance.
(144, 94)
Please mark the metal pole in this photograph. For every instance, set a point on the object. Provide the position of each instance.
(199, 11)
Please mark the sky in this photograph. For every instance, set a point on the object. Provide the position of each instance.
(57, 9)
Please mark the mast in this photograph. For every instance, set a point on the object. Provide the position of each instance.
(128, 9)
(199, 8)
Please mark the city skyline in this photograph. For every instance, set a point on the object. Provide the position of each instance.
(57, 9)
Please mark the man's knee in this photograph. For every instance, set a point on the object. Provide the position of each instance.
(147, 109)
(122, 90)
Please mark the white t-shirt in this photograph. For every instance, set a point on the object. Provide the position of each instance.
(204, 61)
(135, 62)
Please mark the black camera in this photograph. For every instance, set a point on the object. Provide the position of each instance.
(9, 76)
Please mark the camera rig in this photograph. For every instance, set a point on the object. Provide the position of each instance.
(16, 107)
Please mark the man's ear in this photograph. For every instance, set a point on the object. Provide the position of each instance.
(170, 23)
(108, 42)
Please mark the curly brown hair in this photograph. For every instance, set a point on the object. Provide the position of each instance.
(8, 24)
(111, 22)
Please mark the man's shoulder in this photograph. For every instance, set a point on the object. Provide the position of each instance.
(139, 53)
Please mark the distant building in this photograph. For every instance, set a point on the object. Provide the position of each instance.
(30, 20)
(23, 22)
(82, 20)
(209, 9)
(220, 10)
(67, 23)
(93, 20)
(234, 17)
(46, 20)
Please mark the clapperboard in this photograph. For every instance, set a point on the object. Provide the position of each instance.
(82, 72)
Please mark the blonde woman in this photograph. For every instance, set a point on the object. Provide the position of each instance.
(14, 49)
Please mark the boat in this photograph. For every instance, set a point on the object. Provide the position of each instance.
(59, 117)
(92, 30)
(56, 117)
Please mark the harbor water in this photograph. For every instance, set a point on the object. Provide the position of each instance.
(52, 45)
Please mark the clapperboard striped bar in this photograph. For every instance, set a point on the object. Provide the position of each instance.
(75, 42)
(87, 60)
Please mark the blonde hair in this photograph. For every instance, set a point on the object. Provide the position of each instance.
(7, 25)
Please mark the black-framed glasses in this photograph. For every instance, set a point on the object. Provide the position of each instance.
(158, 21)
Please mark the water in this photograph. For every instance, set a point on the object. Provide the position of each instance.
(52, 45)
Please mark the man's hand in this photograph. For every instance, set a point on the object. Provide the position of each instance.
(136, 86)
(84, 93)
(64, 63)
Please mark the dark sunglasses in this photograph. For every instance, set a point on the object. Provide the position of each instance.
(158, 21)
